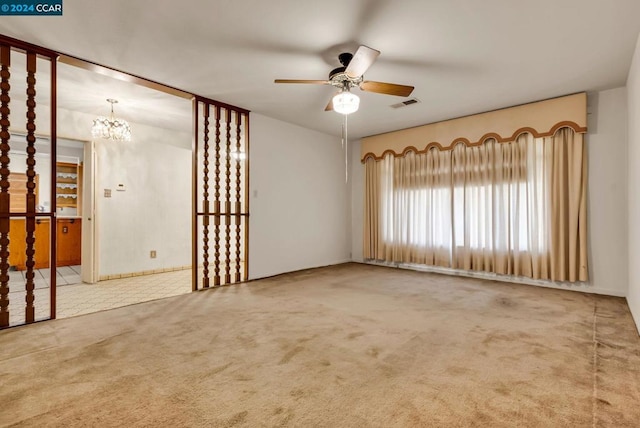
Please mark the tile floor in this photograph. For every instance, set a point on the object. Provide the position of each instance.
(77, 298)
(83, 298)
(65, 275)
(80, 298)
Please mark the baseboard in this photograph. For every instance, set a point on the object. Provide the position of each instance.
(580, 286)
(634, 316)
(142, 273)
(271, 275)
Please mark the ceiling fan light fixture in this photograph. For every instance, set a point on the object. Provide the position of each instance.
(346, 103)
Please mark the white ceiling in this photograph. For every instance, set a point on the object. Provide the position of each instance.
(87, 92)
(463, 56)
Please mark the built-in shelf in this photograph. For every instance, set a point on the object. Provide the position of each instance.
(68, 185)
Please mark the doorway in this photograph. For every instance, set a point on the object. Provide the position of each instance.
(136, 193)
(116, 196)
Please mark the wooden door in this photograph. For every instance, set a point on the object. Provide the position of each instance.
(18, 232)
(18, 249)
(18, 191)
(69, 239)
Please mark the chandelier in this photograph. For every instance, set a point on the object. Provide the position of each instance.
(111, 128)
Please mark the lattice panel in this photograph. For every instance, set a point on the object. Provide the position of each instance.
(221, 194)
(5, 99)
(26, 240)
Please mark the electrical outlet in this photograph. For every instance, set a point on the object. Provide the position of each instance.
(153, 254)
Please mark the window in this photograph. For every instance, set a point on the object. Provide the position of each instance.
(485, 207)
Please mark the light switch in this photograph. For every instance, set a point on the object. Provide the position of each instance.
(121, 187)
(107, 193)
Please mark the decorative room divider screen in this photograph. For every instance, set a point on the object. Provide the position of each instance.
(221, 139)
(23, 228)
(220, 196)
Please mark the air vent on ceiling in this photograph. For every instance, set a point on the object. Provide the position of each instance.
(406, 103)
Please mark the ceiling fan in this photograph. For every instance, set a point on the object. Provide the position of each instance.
(349, 76)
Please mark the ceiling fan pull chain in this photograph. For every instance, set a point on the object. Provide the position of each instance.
(346, 151)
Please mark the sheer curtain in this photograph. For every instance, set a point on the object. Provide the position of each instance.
(516, 208)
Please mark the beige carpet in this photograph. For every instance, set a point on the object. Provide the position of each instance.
(345, 346)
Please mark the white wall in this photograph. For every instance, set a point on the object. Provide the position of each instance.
(154, 212)
(633, 88)
(357, 202)
(607, 195)
(607, 191)
(299, 201)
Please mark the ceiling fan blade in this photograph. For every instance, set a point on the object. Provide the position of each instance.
(386, 88)
(312, 82)
(329, 106)
(361, 61)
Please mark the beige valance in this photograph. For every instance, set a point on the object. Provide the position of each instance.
(541, 119)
